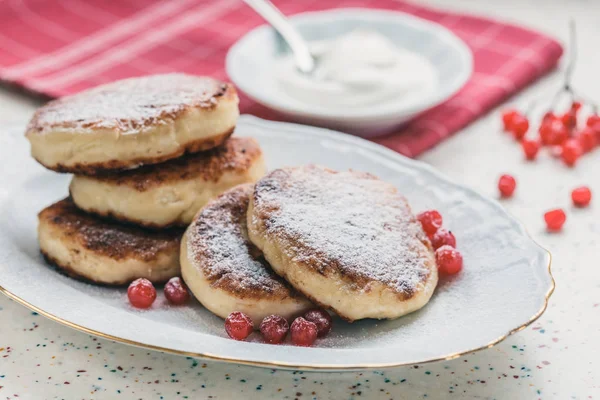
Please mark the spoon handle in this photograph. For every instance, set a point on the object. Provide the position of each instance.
(302, 56)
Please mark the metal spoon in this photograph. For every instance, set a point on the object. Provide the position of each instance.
(305, 62)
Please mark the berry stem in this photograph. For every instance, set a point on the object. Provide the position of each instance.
(532, 106)
(573, 55)
(567, 87)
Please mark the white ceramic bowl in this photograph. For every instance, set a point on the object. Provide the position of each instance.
(250, 65)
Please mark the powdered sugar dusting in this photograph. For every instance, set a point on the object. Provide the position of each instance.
(349, 222)
(218, 243)
(129, 104)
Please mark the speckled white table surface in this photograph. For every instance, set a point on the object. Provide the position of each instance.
(555, 358)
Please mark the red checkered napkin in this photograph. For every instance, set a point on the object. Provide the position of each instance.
(61, 47)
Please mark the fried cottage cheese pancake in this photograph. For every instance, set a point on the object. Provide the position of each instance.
(225, 271)
(170, 193)
(132, 122)
(346, 240)
(91, 249)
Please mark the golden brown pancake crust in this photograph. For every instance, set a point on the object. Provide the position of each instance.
(108, 239)
(70, 272)
(118, 165)
(219, 244)
(129, 105)
(165, 112)
(119, 219)
(235, 155)
(344, 224)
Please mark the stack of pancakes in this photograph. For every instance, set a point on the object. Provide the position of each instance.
(147, 154)
(346, 241)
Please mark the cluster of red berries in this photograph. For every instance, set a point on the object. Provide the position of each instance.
(555, 219)
(448, 259)
(562, 133)
(142, 293)
(274, 328)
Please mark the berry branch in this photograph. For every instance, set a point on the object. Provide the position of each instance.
(564, 133)
(573, 57)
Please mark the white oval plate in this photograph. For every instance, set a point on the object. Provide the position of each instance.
(504, 286)
(251, 61)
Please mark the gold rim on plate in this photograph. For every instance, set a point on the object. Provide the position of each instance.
(281, 364)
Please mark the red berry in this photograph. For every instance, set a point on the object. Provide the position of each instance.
(576, 106)
(303, 332)
(507, 118)
(238, 325)
(557, 133)
(449, 260)
(549, 117)
(569, 119)
(443, 238)
(571, 151)
(545, 133)
(530, 148)
(274, 328)
(176, 292)
(546, 128)
(507, 185)
(141, 293)
(519, 126)
(321, 319)
(593, 121)
(430, 220)
(587, 139)
(555, 219)
(581, 196)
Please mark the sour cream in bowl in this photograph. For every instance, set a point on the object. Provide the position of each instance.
(374, 69)
(360, 69)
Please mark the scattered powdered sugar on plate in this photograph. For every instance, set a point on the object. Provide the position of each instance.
(348, 222)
